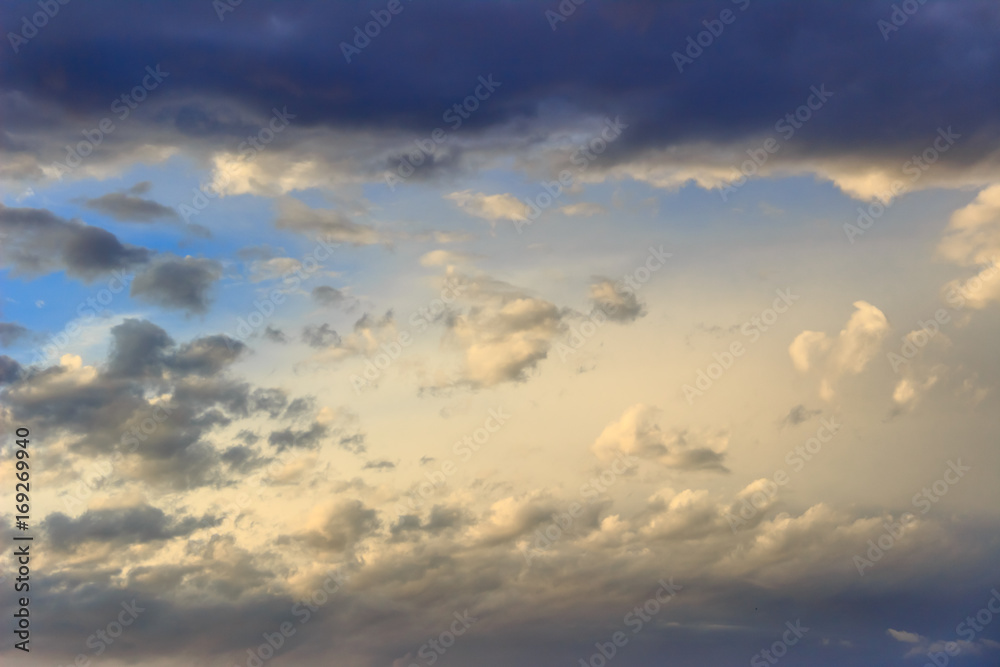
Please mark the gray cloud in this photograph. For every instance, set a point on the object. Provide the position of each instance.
(126, 207)
(11, 332)
(177, 283)
(121, 527)
(36, 242)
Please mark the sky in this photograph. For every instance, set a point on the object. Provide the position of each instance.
(407, 333)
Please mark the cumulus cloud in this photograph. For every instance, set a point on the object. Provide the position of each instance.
(637, 433)
(618, 305)
(36, 241)
(177, 282)
(856, 345)
(503, 334)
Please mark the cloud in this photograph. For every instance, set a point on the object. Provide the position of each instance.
(636, 433)
(445, 258)
(36, 242)
(321, 336)
(903, 636)
(584, 209)
(489, 207)
(503, 334)
(123, 527)
(848, 353)
(126, 207)
(799, 414)
(11, 332)
(334, 225)
(328, 296)
(339, 525)
(177, 282)
(618, 305)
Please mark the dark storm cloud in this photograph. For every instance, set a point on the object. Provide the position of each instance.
(176, 282)
(122, 527)
(36, 241)
(606, 58)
